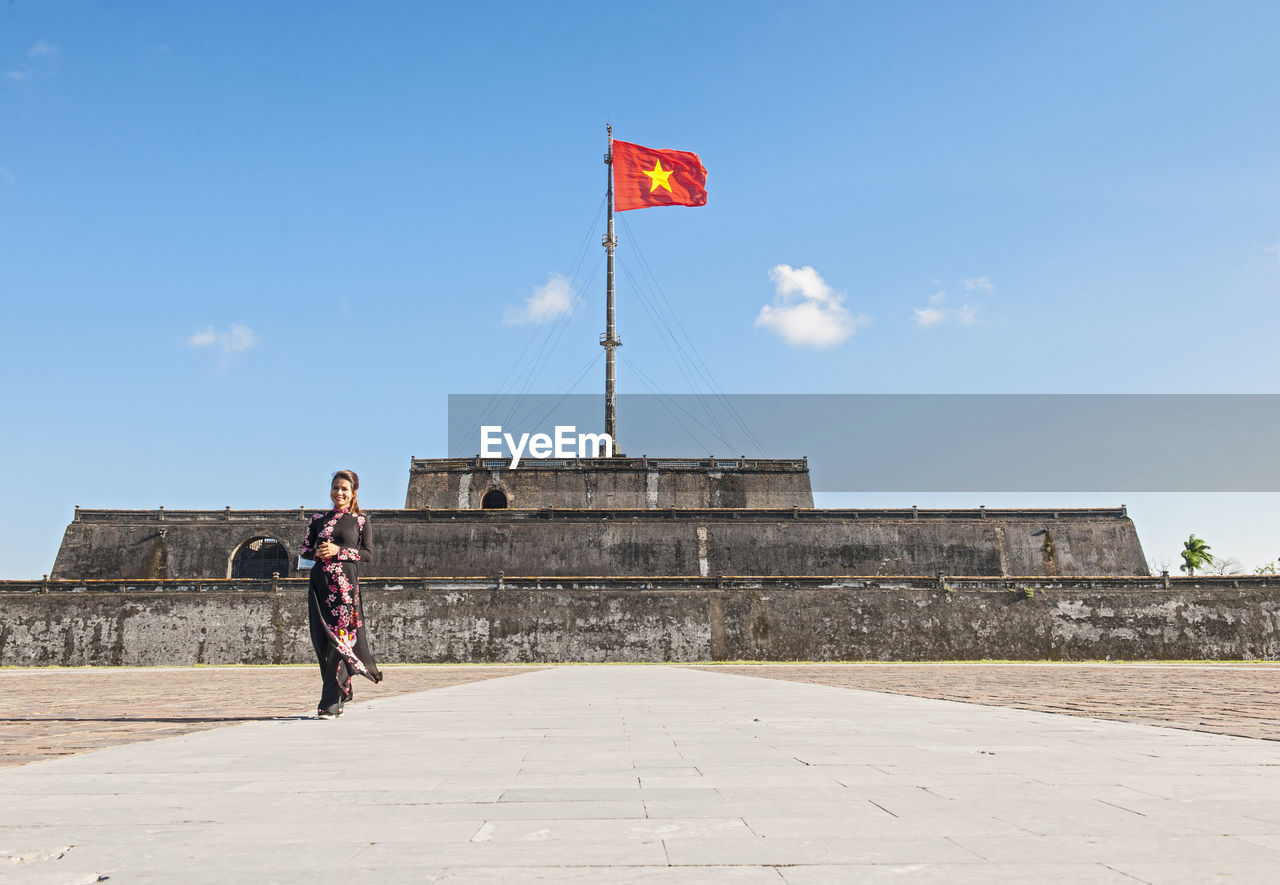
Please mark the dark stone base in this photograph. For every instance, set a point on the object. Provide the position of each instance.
(543, 620)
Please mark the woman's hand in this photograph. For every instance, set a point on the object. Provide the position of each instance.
(327, 550)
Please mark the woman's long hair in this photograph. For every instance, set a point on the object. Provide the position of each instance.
(350, 476)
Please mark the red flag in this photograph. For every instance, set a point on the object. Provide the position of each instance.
(647, 177)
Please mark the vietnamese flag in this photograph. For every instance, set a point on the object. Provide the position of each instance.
(648, 177)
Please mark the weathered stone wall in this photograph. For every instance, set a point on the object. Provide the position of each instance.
(632, 543)
(135, 545)
(223, 622)
(632, 483)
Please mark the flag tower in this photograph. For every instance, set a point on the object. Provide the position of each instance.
(643, 177)
(610, 340)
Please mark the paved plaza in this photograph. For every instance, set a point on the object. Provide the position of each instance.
(1237, 698)
(59, 712)
(645, 774)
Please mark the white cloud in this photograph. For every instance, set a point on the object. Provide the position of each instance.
(42, 49)
(549, 300)
(806, 311)
(234, 340)
(928, 316)
(1274, 250)
(965, 313)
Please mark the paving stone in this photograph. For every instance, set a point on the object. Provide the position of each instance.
(1222, 698)
(1115, 848)
(60, 711)
(956, 874)
(654, 774)
(1197, 873)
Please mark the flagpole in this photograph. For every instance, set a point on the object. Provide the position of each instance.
(610, 340)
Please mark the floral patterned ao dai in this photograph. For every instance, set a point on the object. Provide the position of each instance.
(335, 612)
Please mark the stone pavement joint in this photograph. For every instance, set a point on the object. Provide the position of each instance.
(656, 774)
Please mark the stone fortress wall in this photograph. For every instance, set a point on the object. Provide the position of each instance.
(615, 517)
(632, 559)
(699, 543)
(141, 623)
(609, 484)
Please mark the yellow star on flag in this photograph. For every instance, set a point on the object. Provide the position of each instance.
(658, 177)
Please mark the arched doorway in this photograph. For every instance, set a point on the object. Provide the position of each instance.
(260, 558)
(494, 499)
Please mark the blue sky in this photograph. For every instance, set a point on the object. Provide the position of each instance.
(243, 244)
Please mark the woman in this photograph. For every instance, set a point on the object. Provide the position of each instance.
(339, 541)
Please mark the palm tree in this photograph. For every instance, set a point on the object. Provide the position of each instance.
(1195, 554)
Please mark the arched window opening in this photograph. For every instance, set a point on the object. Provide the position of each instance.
(260, 558)
(494, 499)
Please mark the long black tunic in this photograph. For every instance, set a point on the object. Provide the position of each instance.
(337, 618)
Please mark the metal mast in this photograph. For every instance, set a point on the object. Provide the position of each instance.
(610, 340)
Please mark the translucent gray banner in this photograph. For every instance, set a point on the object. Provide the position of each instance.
(923, 442)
